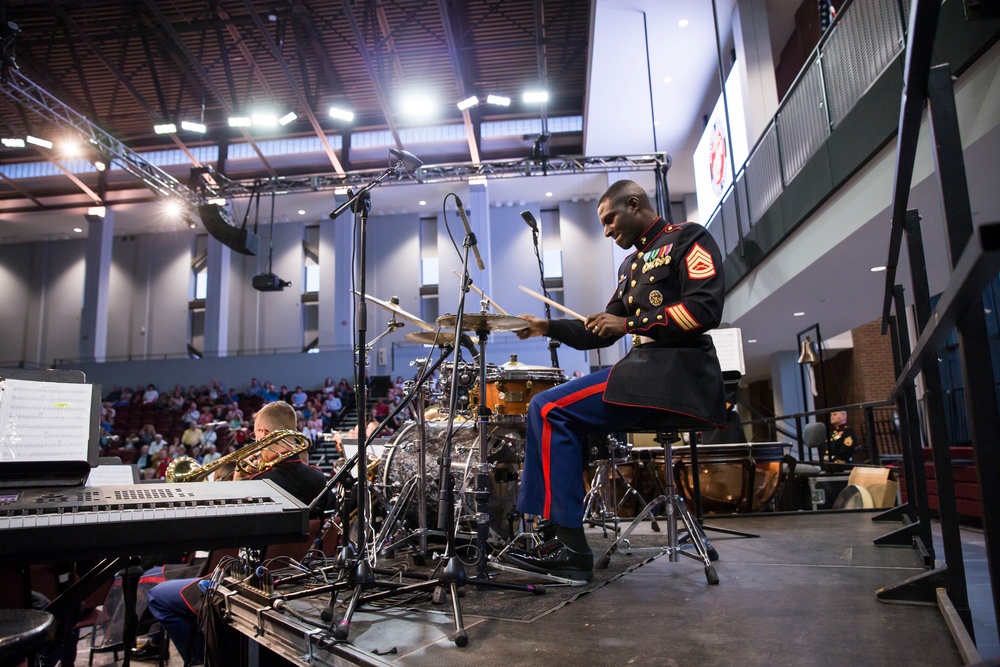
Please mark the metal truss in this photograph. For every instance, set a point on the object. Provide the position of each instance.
(23, 91)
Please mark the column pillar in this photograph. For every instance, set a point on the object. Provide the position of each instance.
(217, 299)
(755, 66)
(94, 318)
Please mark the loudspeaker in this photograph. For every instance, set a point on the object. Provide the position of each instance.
(216, 221)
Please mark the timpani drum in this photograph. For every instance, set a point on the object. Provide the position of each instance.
(734, 478)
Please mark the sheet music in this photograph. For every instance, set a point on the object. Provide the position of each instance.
(729, 348)
(44, 421)
(112, 475)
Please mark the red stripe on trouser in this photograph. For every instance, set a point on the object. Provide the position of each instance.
(547, 434)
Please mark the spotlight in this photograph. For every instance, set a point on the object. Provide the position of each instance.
(193, 127)
(341, 114)
(39, 142)
(498, 100)
(216, 201)
(418, 106)
(264, 119)
(239, 121)
(165, 128)
(172, 208)
(11, 142)
(100, 166)
(287, 118)
(468, 102)
(536, 97)
(70, 148)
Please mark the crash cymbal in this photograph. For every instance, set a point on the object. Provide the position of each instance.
(429, 337)
(484, 322)
(391, 307)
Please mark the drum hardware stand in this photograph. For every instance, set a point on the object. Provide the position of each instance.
(675, 506)
(553, 343)
(607, 473)
(696, 484)
(416, 485)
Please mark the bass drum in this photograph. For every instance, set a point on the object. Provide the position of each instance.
(401, 463)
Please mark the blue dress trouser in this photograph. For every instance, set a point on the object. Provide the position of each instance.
(167, 606)
(559, 420)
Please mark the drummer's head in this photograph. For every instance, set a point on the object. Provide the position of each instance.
(625, 212)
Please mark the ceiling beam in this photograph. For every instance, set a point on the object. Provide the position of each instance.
(306, 107)
(383, 99)
(164, 27)
(456, 66)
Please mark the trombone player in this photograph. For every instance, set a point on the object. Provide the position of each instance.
(175, 604)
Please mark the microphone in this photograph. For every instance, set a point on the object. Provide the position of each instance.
(468, 231)
(408, 158)
(530, 219)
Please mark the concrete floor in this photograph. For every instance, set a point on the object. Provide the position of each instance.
(801, 594)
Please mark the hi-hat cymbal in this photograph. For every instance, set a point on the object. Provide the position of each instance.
(391, 307)
(442, 338)
(484, 322)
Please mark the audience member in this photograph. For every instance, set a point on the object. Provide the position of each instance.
(151, 396)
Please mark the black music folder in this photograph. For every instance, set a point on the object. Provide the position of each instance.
(49, 427)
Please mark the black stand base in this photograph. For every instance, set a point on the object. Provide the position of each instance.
(893, 514)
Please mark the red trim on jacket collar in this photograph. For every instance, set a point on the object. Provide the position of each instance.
(651, 234)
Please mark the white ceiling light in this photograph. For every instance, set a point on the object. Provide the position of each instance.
(165, 128)
(216, 201)
(536, 97)
(100, 166)
(798, 314)
(468, 102)
(97, 211)
(287, 118)
(498, 100)
(77, 230)
(301, 212)
(683, 23)
(193, 127)
(877, 269)
(341, 114)
(11, 142)
(548, 194)
(422, 202)
(668, 79)
(264, 119)
(70, 148)
(418, 106)
(752, 340)
(39, 142)
(172, 208)
(239, 121)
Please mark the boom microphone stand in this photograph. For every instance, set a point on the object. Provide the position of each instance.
(553, 343)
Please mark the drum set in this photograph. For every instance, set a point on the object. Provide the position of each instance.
(469, 431)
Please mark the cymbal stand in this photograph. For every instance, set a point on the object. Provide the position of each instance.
(417, 485)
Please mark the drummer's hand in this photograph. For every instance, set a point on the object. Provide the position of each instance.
(536, 327)
(605, 325)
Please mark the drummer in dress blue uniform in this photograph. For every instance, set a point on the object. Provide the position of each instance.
(670, 292)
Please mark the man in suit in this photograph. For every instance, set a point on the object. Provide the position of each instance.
(670, 291)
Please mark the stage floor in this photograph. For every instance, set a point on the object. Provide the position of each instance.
(803, 593)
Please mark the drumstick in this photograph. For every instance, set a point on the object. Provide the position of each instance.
(552, 303)
(480, 293)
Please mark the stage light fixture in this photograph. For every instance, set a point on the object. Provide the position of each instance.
(44, 143)
(97, 212)
(216, 201)
(193, 127)
(536, 97)
(468, 102)
(100, 166)
(264, 119)
(239, 121)
(498, 100)
(341, 114)
(287, 118)
(165, 128)
(11, 142)
(418, 106)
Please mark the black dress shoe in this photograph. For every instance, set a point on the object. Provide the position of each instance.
(147, 651)
(557, 560)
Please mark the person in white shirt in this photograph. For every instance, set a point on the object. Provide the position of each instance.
(151, 396)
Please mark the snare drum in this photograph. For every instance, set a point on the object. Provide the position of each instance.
(510, 388)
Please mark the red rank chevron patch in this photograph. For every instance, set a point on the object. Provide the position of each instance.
(699, 263)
